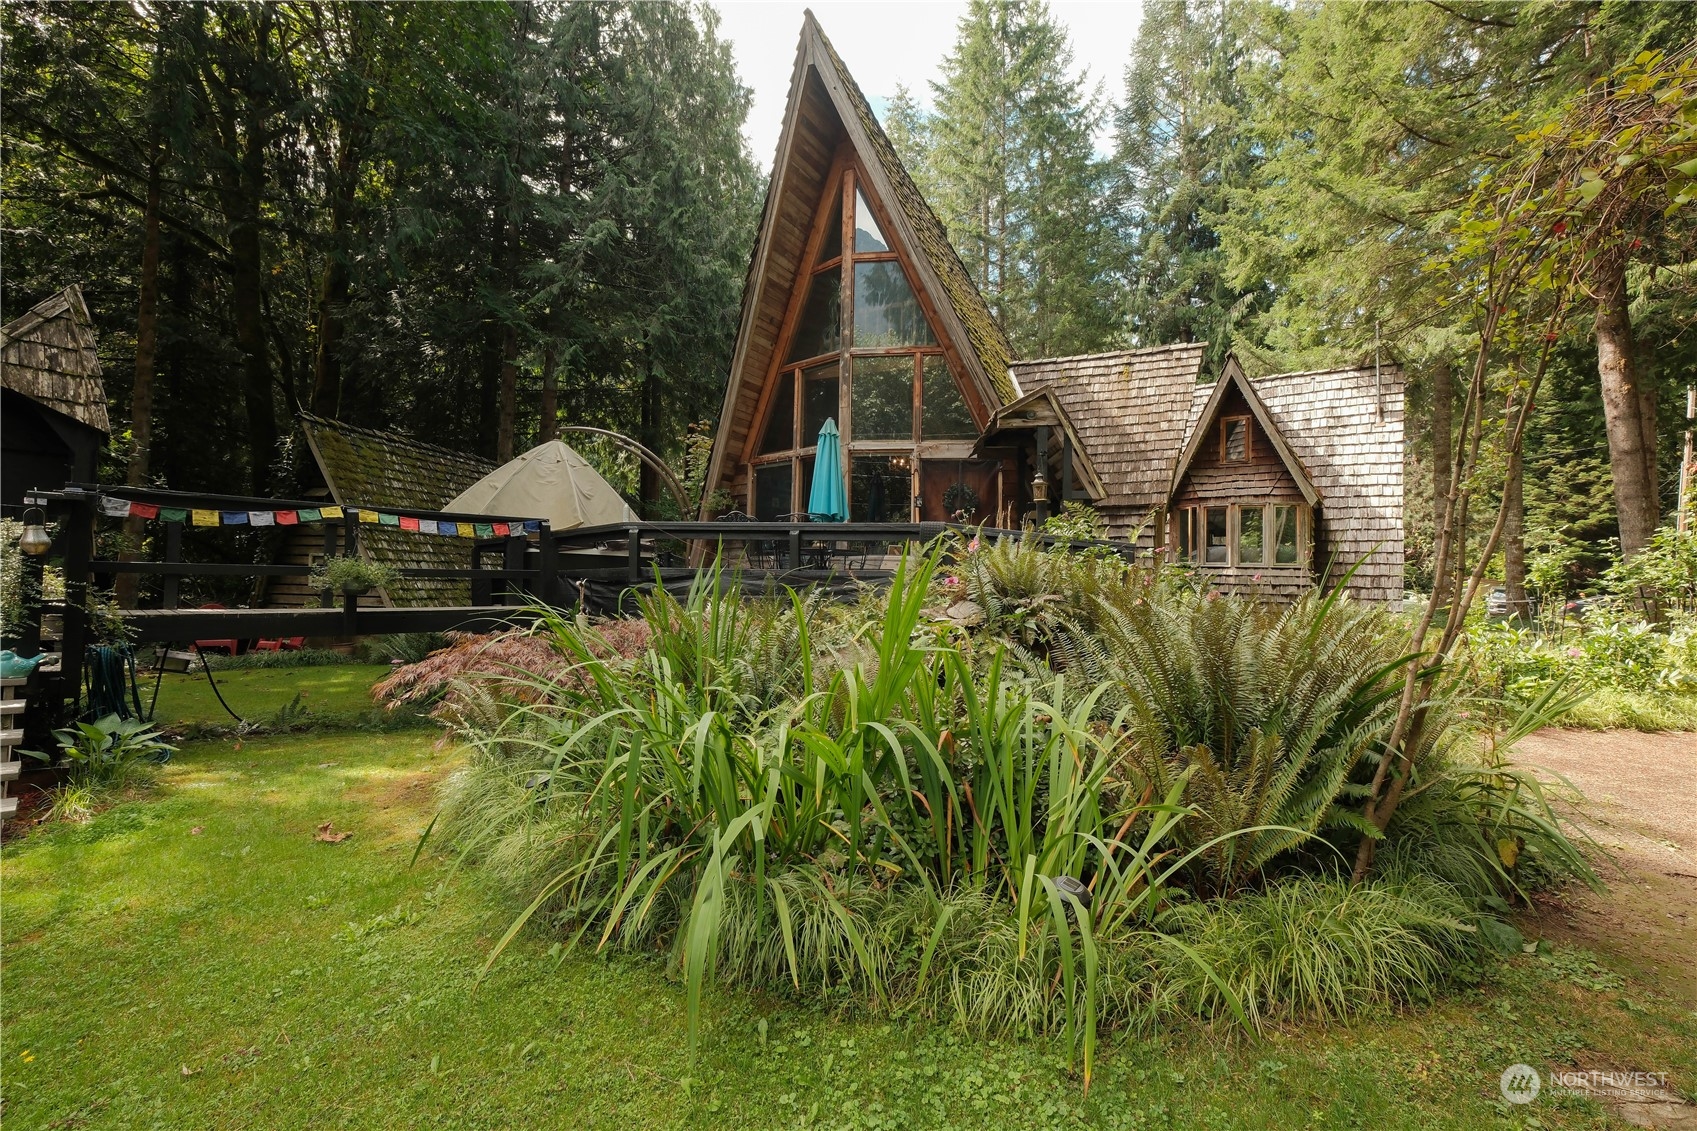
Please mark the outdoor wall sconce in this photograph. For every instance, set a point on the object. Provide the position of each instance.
(34, 540)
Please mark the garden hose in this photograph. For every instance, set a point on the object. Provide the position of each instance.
(110, 672)
(207, 667)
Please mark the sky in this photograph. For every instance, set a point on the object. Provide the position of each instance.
(889, 43)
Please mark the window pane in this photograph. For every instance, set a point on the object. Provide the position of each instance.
(819, 400)
(806, 480)
(772, 490)
(945, 416)
(821, 327)
(833, 243)
(1216, 546)
(886, 313)
(1251, 548)
(1237, 438)
(1284, 535)
(780, 420)
(867, 235)
(1187, 534)
(883, 489)
(883, 398)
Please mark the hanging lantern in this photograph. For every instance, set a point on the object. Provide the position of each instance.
(35, 540)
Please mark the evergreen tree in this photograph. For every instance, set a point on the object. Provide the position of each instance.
(1181, 149)
(1016, 180)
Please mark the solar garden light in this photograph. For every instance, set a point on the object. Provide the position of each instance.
(34, 540)
(1073, 893)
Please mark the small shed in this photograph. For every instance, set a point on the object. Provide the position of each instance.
(53, 419)
(370, 468)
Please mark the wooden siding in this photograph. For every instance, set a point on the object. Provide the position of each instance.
(1261, 477)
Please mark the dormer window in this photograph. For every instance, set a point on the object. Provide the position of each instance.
(1234, 437)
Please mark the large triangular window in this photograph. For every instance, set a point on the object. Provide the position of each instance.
(860, 350)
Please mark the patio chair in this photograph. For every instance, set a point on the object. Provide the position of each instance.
(230, 646)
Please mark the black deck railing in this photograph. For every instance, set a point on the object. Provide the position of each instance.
(561, 568)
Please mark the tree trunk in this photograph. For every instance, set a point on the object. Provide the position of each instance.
(1514, 536)
(1443, 443)
(509, 392)
(648, 434)
(141, 391)
(549, 426)
(1632, 457)
(334, 289)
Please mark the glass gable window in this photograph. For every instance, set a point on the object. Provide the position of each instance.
(945, 415)
(883, 398)
(867, 235)
(1235, 434)
(1251, 545)
(780, 418)
(886, 311)
(832, 245)
(819, 401)
(861, 351)
(882, 488)
(820, 330)
(772, 490)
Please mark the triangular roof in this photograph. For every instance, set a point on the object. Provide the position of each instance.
(1043, 407)
(48, 355)
(362, 466)
(1232, 377)
(1131, 408)
(826, 108)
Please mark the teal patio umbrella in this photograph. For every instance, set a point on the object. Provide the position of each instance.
(826, 498)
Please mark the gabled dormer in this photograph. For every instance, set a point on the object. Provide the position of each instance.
(1240, 501)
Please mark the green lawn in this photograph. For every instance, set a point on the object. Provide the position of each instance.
(193, 958)
(339, 692)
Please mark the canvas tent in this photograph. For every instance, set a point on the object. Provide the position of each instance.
(550, 482)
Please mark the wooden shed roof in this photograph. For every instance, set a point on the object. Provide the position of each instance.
(362, 466)
(48, 354)
(1131, 409)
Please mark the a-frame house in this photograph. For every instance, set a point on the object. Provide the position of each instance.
(858, 310)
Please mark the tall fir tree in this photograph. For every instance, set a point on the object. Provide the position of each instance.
(1015, 177)
(1180, 150)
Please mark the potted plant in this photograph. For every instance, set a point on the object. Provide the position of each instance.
(352, 577)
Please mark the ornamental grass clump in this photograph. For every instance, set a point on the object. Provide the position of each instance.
(910, 815)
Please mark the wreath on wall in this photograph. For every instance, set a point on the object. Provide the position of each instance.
(961, 501)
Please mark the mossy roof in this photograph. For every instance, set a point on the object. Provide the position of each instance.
(365, 467)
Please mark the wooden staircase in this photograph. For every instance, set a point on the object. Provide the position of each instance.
(11, 734)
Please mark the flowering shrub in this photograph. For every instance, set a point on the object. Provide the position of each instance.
(1611, 648)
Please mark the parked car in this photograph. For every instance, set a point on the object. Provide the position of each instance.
(1496, 602)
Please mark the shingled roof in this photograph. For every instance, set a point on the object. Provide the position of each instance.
(1346, 428)
(48, 354)
(1130, 409)
(364, 467)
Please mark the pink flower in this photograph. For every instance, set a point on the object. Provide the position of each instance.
(951, 581)
(972, 546)
(1256, 577)
(1574, 653)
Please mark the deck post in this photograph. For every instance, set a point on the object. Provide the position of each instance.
(79, 548)
(548, 564)
(633, 555)
(169, 597)
(512, 557)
